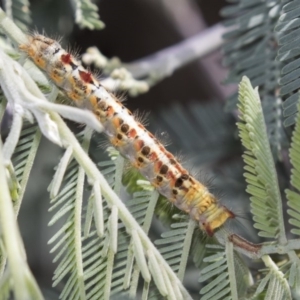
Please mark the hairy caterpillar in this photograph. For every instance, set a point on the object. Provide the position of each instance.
(129, 136)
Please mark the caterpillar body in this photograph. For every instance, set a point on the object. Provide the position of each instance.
(126, 134)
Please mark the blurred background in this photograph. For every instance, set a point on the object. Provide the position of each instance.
(188, 105)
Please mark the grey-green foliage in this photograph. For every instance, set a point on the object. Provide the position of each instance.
(207, 139)
(126, 273)
(293, 194)
(288, 54)
(272, 286)
(85, 11)
(264, 45)
(259, 165)
(97, 264)
(86, 14)
(24, 156)
(19, 171)
(250, 50)
(216, 271)
(175, 244)
(227, 275)
(19, 11)
(250, 46)
(266, 202)
(67, 205)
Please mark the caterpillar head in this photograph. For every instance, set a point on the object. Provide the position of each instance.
(40, 48)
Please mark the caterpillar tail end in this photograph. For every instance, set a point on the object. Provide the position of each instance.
(212, 221)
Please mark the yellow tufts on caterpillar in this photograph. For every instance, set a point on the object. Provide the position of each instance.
(128, 135)
(214, 218)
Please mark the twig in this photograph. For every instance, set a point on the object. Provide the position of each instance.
(163, 63)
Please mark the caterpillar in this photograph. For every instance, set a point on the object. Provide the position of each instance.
(128, 135)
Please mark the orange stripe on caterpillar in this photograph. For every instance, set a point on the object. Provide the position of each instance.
(128, 135)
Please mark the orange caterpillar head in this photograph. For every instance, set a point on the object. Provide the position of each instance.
(214, 218)
(39, 48)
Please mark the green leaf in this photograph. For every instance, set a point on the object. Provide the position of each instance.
(261, 175)
(19, 11)
(221, 273)
(250, 50)
(294, 196)
(175, 245)
(288, 54)
(86, 15)
(68, 240)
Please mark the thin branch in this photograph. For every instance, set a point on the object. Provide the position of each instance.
(256, 251)
(77, 232)
(13, 137)
(163, 63)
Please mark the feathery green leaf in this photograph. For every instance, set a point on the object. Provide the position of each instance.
(288, 54)
(273, 283)
(86, 14)
(142, 208)
(216, 272)
(70, 255)
(266, 203)
(19, 11)
(294, 196)
(24, 156)
(175, 245)
(250, 50)
(250, 46)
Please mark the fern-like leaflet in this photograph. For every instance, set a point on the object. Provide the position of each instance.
(250, 50)
(86, 14)
(69, 235)
(259, 165)
(19, 11)
(288, 54)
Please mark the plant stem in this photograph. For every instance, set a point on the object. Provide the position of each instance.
(163, 63)
(24, 284)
